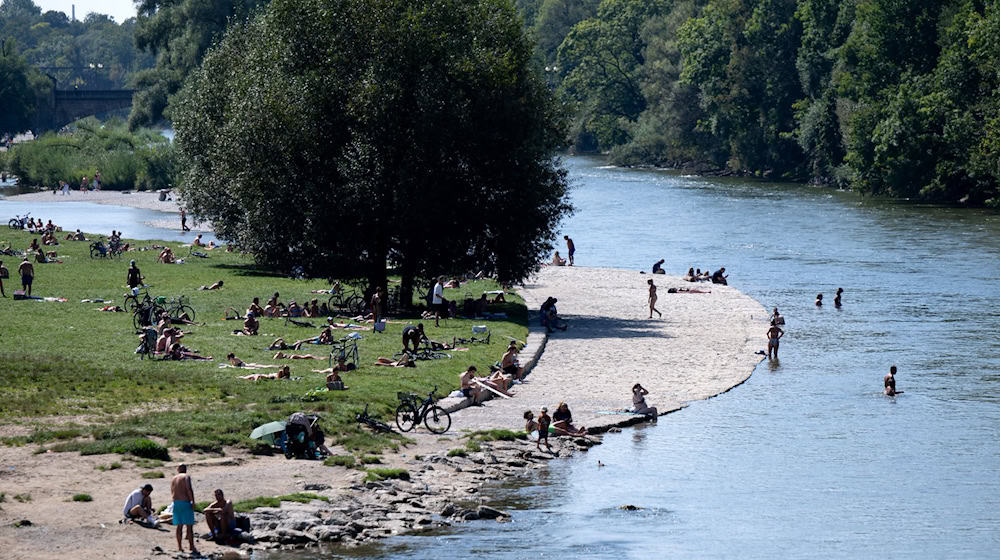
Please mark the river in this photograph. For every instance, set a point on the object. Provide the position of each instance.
(807, 459)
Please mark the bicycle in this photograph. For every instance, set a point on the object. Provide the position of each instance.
(372, 422)
(472, 340)
(178, 307)
(349, 303)
(146, 314)
(424, 353)
(411, 412)
(349, 352)
(99, 251)
(18, 221)
(137, 297)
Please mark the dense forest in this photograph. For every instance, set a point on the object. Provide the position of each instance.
(889, 97)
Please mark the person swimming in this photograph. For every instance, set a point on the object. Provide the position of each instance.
(890, 383)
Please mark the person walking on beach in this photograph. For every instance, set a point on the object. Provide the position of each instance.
(543, 429)
(27, 272)
(570, 249)
(182, 493)
(652, 299)
(890, 383)
(774, 334)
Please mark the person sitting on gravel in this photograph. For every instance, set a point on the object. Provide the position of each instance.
(509, 362)
(220, 517)
(639, 405)
(530, 425)
(139, 506)
(468, 387)
(214, 286)
(719, 277)
(562, 421)
(557, 260)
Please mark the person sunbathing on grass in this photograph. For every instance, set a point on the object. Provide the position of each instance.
(283, 356)
(255, 307)
(166, 256)
(274, 306)
(250, 324)
(293, 310)
(178, 352)
(215, 286)
(234, 361)
(284, 373)
(406, 360)
(342, 366)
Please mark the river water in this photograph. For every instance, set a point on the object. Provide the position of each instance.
(807, 459)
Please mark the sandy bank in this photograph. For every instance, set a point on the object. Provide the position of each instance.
(704, 345)
(145, 200)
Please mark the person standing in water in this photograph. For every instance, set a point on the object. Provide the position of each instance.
(570, 249)
(184, 226)
(774, 334)
(836, 298)
(652, 299)
(890, 383)
(819, 300)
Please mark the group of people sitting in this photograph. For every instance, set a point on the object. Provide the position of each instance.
(560, 424)
(37, 226)
(499, 380)
(717, 277)
(168, 338)
(275, 308)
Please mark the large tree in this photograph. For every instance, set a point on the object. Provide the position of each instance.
(178, 32)
(20, 89)
(361, 132)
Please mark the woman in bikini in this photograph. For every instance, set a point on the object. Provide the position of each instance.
(652, 299)
(283, 373)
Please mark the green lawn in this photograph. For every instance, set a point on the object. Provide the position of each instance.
(67, 359)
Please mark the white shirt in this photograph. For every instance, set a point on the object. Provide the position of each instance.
(134, 499)
(438, 294)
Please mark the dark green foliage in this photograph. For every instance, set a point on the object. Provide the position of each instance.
(21, 89)
(68, 48)
(375, 475)
(347, 461)
(413, 132)
(82, 498)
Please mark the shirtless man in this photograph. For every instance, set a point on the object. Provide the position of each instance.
(220, 516)
(774, 334)
(836, 298)
(182, 493)
(27, 272)
(255, 307)
(197, 241)
(413, 335)
(890, 383)
(214, 286)
(250, 324)
(570, 249)
(509, 362)
(652, 299)
(470, 389)
(283, 356)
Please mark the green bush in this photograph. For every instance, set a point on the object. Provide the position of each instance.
(375, 475)
(458, 452)
(82, 498)
(153, 474)
(371, 460)
(340, 461)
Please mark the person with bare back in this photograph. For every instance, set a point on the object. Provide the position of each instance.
(652, 299)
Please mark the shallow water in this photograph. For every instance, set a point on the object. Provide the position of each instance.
(100, 219)
(807, 459)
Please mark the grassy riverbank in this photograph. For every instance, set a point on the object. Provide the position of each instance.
(72, 382)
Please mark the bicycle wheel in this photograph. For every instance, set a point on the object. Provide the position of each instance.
(137, 319)
(406, 417)
(14, 223)
(94, 253)
(181, 310)
(334, 302)
(437, 420)
(357, 305)
(438, 355)
(131, 303)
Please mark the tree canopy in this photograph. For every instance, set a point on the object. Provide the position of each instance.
(884, 96)
(20, 88)
(413, 132)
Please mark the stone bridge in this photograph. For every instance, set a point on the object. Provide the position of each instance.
(68, 105)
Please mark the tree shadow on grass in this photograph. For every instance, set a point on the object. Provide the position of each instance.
(254, 270)
(593, 326)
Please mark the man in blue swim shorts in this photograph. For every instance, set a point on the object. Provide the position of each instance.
(183, 496)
